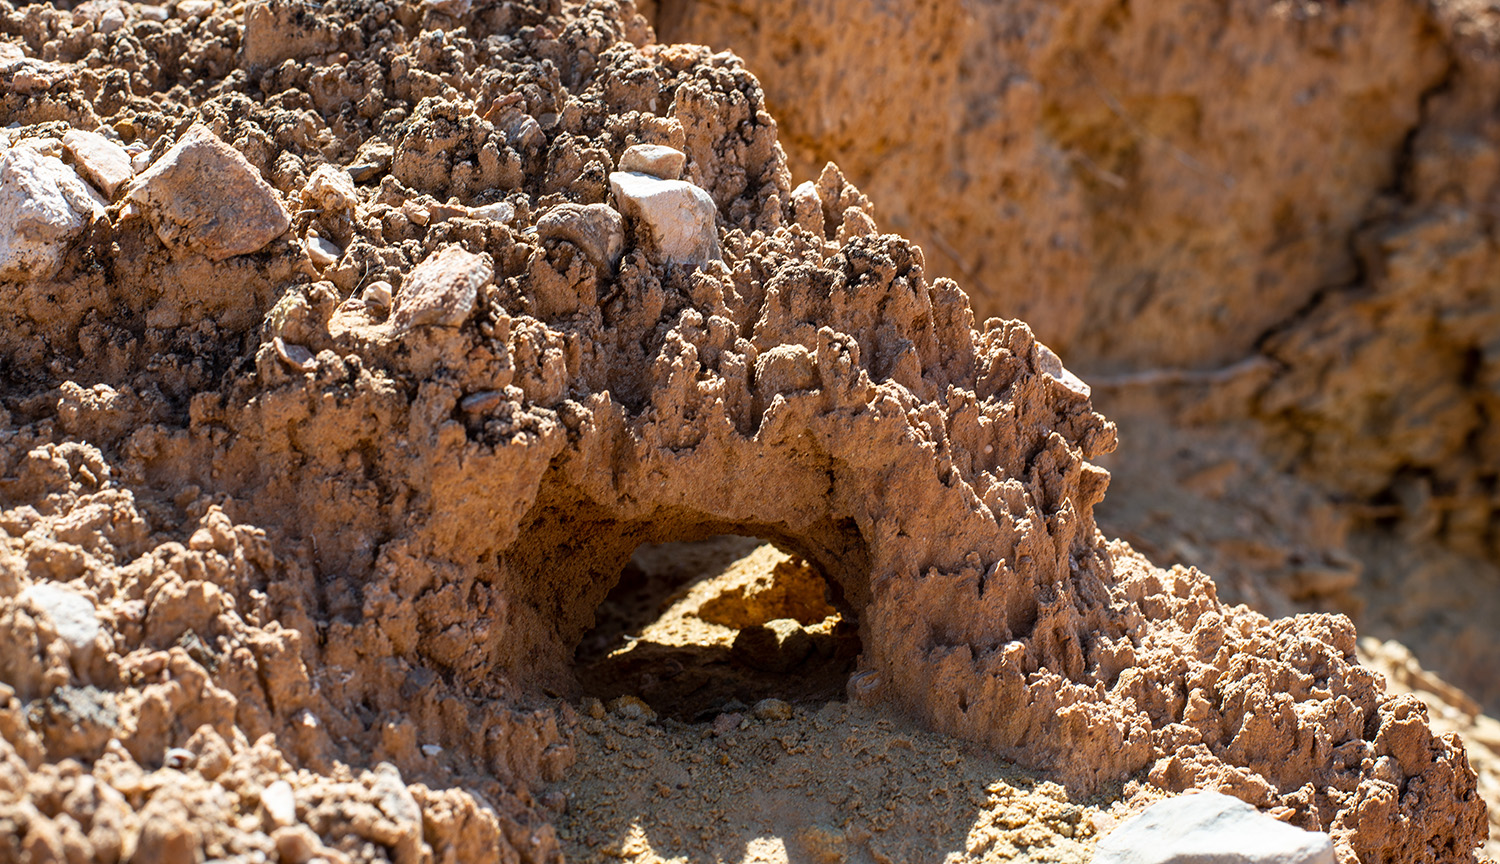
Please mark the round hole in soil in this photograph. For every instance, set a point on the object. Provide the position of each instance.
(714, 626)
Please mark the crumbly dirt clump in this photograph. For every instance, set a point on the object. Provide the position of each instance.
(299, 543)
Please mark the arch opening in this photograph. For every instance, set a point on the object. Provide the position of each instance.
(708, 627)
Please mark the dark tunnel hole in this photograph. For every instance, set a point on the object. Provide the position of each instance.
(699, 629)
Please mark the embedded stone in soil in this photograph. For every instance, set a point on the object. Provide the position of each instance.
(697, 629)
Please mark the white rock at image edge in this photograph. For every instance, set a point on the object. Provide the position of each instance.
(1210, 828)
(44, 204)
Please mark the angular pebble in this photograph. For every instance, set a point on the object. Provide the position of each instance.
(322, 252)
(1210, 828)
(202, 196)
(500, 211)
(1051, 365)
(280, 804)
(658, 160)
(377, 295)
(44, 204)
(442, 290)
(101, 161)
(597, 229)
(675, 218)
(72, 615)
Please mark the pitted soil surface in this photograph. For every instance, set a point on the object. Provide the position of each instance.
(326, 445)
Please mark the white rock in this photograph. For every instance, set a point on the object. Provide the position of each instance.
(658, 160)
(378, 294)
(140, 160)
(500, 211)
(1051, 365)
(153, 13)
(44, 204)
(322, 252)
(280, 804)
(677, 219)
(101, 161)
(1210, 828)
(431, 750)
(72, 615)
(203, 196)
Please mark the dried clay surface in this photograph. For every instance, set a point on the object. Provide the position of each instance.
(303, 532)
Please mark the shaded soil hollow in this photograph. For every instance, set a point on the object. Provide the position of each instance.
(699, 629)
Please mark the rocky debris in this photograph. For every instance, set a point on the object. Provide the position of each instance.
(657, 160)
(44, 205)
(101, 161)
(674, 218)
(442, 290)
(500, 211)
(1210, 828)
(596, 229)
(203, 197)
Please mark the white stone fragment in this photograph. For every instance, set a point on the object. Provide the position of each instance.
(675, 218)
(44, 204)
(1051, 365)
(1210, 828)
(322, 251)
(658, 160)
(431, 750)
(101, 161)
(72, 615)
(378, 294)
(280, 804)
(500, 211)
